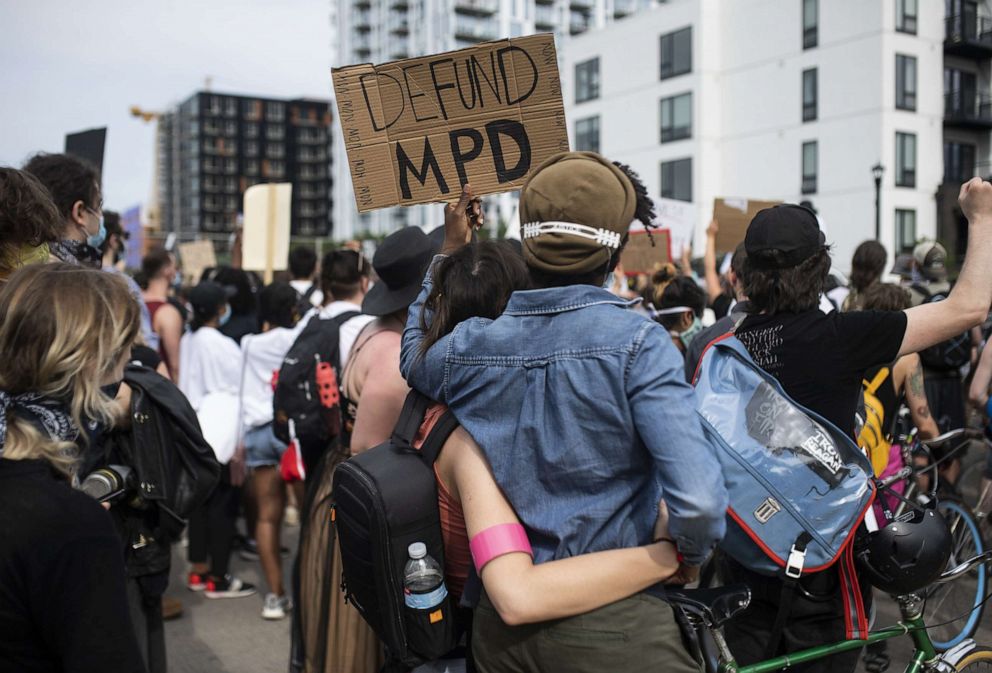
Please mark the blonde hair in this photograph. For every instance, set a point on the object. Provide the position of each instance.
(661, 279)
(63, 330)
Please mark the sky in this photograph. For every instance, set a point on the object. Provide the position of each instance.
(71, 65)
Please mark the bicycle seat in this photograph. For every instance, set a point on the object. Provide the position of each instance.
(714, 606)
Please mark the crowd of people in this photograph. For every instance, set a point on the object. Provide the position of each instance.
(571, 382)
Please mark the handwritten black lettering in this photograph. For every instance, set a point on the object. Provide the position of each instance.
(406, 166)
(409, 92)
(515, 131)
(501, 54)
(368, 103)
(479, 74)
(438, 88)
(471, 85)
(462, 158)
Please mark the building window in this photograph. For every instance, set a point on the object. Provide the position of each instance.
(906, 16)
(809, 167)
(587, 80)
(676, 117)
(810, 23)
(676, 180)
(905, 229)
(905, 159)
(905, 82)
(587, 134)
(959, 162)
(809, 94)
(676, 53)
(275, 112)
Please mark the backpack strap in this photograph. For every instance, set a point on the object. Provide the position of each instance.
(438, 436)
(922, 289)
(411, 417)
(793, 571)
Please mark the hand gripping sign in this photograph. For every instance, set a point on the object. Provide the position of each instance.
(416, 130)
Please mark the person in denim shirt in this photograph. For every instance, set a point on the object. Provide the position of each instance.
(579, 404)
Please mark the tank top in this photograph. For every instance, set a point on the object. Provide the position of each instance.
(153, 307)
(457, 555)
(349, 407)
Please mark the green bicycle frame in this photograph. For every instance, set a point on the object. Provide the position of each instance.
(914, 628)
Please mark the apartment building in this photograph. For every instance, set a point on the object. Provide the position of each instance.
(795, 100)
(376, 31)
(214, 146)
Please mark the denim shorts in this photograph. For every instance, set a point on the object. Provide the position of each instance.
(262, 447)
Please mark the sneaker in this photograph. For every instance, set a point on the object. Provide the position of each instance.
(276, 607)
(196, 582)
(249, 550)
(228, 587)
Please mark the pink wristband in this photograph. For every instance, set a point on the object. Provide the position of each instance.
(494, 541)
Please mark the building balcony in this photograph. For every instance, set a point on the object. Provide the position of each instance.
(477, 7)
(544, 17)
(363, 4)
(582, 4)
(622, 8)
(475, 31)
(968, 35)
(399, 4)
(399, 25)
(576, 26)
(968, 110)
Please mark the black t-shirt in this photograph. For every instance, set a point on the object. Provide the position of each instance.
(63, 606)
(820, 359)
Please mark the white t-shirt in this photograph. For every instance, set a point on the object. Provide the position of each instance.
(211, 363)
(261, 356)
(350, 329)
(301, 286)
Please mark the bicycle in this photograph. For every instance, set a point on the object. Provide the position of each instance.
(707, 610)
(963, 600)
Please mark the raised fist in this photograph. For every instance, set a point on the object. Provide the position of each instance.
(976, 200)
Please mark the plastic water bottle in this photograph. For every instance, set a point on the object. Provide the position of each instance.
(423, 581)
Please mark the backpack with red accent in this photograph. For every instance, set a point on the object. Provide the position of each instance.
(306, 401)
(798, 486)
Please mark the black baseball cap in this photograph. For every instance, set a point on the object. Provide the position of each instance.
(782, 237)
(209, 296)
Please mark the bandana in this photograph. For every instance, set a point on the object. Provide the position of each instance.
(51, 415)
(75, 252)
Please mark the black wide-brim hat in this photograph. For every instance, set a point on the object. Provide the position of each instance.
(400, 262)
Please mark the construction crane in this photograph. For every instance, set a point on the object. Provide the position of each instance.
(145, 115)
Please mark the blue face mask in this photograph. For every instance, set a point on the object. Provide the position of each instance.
(225, 316)
(97, 239)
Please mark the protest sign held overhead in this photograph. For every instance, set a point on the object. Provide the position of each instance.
(733, 216)
(416, 130)
(646, 253)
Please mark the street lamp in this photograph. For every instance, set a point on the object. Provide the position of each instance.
(876, 171)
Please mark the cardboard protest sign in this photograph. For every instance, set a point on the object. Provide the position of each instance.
(416, 130)
(733, 216)
(88, 145)
(196, 257)
(265, 239)
(639, 256)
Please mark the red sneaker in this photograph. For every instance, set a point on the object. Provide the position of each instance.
(196, 582)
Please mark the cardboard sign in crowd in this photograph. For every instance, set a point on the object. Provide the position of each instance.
(416, 130)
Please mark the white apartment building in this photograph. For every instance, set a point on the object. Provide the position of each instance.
(376, 31)
(795, 100)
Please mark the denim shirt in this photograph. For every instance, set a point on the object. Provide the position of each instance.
(582, 410)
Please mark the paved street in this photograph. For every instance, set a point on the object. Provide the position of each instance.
(226, 636)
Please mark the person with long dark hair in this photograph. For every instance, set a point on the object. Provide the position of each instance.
(867, 267)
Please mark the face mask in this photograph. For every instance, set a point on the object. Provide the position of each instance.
(695, 328)
(225, 316)
(97, 239)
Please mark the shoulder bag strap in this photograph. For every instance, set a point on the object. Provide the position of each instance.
(411, 417)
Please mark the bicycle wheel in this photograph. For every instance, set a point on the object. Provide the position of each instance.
(974, 660)
(956, 607)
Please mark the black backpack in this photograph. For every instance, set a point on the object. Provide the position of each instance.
(947, 355)
(306, 393)
(384, 500)
(176, 468)
(304, 305)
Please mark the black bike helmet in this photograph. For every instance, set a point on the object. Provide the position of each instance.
(908, 554)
